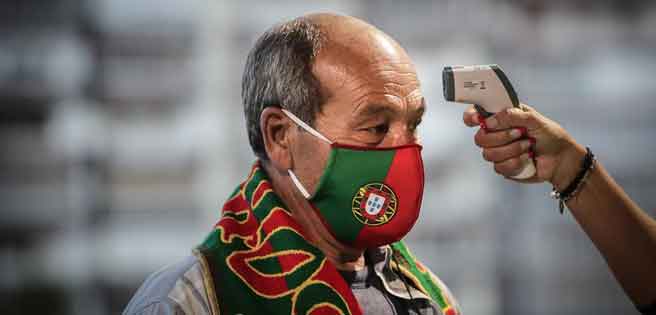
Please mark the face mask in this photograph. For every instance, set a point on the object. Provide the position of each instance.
(367, 197)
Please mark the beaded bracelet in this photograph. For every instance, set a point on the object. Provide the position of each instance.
(575, 186)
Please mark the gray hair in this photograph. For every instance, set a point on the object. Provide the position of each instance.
(278, 72)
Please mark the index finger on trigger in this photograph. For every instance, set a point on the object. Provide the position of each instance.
(508, 118)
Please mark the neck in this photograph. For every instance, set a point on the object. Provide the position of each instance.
(342, 256)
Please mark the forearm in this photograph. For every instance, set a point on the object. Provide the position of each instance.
(624, 234)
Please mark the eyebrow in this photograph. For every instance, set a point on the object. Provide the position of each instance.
(373, 109)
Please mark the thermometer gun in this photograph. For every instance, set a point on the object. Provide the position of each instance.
(488, 88)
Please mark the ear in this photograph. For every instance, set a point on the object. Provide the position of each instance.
(276, 133)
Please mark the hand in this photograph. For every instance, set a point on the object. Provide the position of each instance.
(516, 134)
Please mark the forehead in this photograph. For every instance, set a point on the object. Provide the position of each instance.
(367, 68)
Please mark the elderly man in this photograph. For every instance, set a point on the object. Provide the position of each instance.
(332, 105)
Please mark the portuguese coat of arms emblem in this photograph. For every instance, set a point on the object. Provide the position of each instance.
(374, 204)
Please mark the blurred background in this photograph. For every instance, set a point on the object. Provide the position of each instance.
(122, 134)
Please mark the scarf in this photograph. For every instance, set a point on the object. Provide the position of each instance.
(257, 261)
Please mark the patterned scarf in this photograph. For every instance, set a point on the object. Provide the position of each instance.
(257, 261)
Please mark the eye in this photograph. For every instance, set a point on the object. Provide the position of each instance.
(378, 129)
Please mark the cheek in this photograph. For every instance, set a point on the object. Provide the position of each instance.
(310, 159)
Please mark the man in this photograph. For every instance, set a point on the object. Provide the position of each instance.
(332, 105)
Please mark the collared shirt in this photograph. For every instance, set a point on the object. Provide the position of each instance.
(368, 286)
(180, 289)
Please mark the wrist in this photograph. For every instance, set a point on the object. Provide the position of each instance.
(569, 165)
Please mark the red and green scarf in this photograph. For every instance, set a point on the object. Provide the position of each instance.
(257, 261)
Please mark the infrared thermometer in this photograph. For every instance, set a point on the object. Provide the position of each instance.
(488, 88)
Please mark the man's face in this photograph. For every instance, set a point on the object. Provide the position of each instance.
(372, 99)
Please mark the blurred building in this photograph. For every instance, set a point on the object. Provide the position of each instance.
(122, 134)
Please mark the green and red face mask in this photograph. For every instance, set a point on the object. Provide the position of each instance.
(367, 197)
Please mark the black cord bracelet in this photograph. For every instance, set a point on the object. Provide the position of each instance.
(575, 185)
(647, 309)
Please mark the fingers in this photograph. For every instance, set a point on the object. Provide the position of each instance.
(513, 117)
(487, 139)
(512, 167)
(527, 108)
(524, 116)
(470, 117)
(507, 149)
(507, 152)
(507, 138)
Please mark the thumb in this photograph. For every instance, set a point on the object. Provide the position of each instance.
(525, 116)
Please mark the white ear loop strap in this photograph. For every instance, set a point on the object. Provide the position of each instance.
(305, 126)
(313, 132)
(298, 184)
